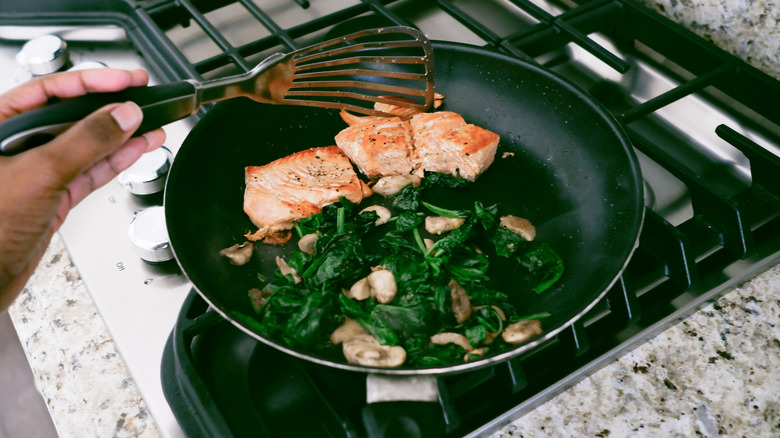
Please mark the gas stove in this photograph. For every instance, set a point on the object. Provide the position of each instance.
(703, 124)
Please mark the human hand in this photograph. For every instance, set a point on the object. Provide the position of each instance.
(38, 187)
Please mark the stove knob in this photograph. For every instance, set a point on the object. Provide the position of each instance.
(147, 175)
(149, 235)
(43, 55)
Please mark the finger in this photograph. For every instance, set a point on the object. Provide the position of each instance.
(108, 168)
(155, 139)
(36, 92)
(105, 170)
(90, 140)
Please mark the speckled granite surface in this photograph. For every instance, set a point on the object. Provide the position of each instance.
(749, 29)
(82, 378)
(716, 373)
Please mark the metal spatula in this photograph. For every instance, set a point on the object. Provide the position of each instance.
(388, 65)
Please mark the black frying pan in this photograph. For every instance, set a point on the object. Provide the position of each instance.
(570, 170)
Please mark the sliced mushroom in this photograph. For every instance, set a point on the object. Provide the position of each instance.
(442, 224)
(238, 254)
(497, 309)
(521, 331)
(392, 185)
(360, 290)
(307, 242)
(383, 213)
(286, 269)
(475, 352)
(490, 337)
(258, 297)
(461, 305)
(452, 338)
(519, 225)
(347, 331)
(366, 350)
(382, 284)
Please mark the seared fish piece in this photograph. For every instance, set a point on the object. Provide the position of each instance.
(297, 186)
(445, 143)
(404, 111)
(352, 119)
(378, 146)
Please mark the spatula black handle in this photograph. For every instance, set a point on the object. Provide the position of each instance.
(161, 104)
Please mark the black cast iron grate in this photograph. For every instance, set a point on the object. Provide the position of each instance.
(732, 234)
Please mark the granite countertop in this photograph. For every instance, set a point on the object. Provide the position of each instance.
(715, 373)
(749, 29)
(80, 373)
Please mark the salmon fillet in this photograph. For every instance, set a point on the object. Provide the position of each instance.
(352, 119)
(378, 146)
(436, 142)
(445, 143)
(404, 111)
(296, 186)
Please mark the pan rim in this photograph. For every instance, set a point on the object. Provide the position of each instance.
(636, 227)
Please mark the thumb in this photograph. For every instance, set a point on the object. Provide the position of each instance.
(87, 142)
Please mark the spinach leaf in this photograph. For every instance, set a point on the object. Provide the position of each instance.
(453, 240)
(445, 180)
(408, 199)
(299, 260)
(468, 267)
(488, 318)
(360, 224)
(405, 321)
(505, 242)
(446, 211)
(476, 334)
(486, 215)
(409, 220)
(436, 355)
(483, 319)
(310, 224)
(415, 344)
(313, 319)
(396, 241)
(411, 273)
(340, 264)
(248, 320)
(360, 311)
(483, 296)
(542, 263)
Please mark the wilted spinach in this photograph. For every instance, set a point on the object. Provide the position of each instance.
(349, 244)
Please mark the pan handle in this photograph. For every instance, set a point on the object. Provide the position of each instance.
(161, 104)
(402, 406)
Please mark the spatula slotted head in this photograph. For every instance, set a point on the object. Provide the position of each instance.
(392, 65)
